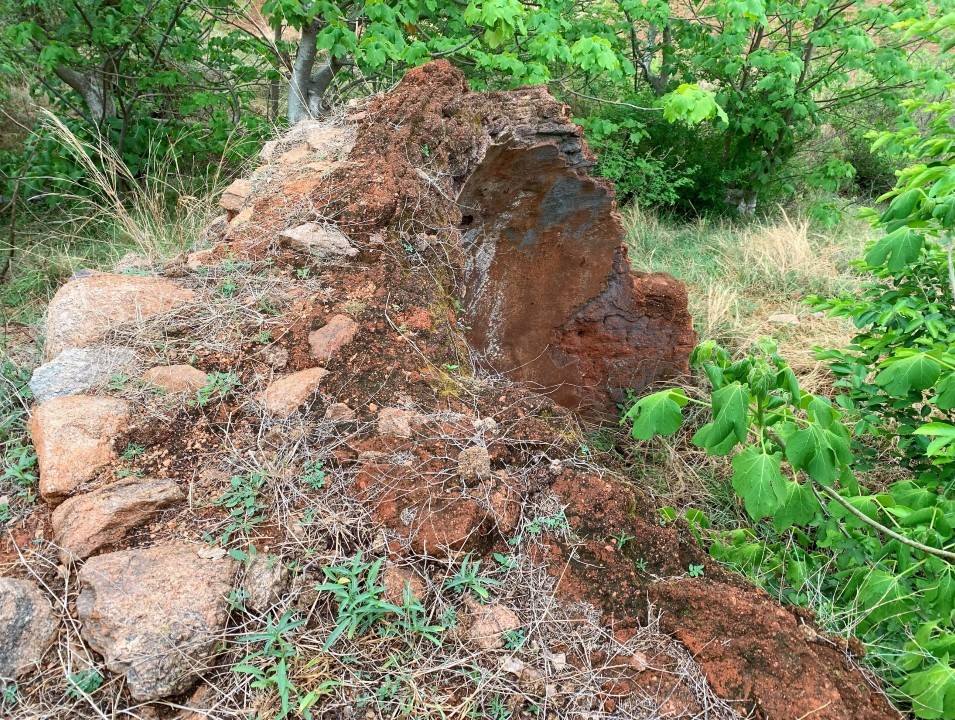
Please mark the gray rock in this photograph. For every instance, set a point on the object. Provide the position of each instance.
(318, 241)
(28, 626)
(77, 370)
(264, 583)
(155, 615)
(89, 522)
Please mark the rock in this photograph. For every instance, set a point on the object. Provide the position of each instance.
(474, 463)
(234, 197)
(487, 624)
(264, 583)
(394, 578)
(73, 437)
(444, 526)
(207, 257)
(294, 156)
(28, 626)
(176, 378)
(86, 308)
(331, 337)
(783, 319)
(284, 396)
(505, 504)
(323, 243)
(392, 421)
(242, 217)
(155, 615)
(339, 412)
(85, 524)
(77, 370)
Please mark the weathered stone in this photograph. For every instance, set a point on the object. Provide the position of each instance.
(234, 197)
(321, 242)
(264, 583)
(339, 412)
(87, 523)
(242, 217)
(487, 624)
(176, 378)
(445, 526)
(28, 627)
(474, 463)
(155, 615)
(325, 342)
(73, 437)
(77, 370)
(86, 308)
(783, 319)
(392, 421)
(285, 395)
(395, 578)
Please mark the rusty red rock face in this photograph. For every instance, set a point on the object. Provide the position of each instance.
(550, 296)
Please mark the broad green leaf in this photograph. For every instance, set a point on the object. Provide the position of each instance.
(730, 424)
(657, 414)
(757, 479)
(917, 371)
(932, 691)
(898, 249)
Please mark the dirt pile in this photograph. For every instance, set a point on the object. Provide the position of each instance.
(359, 499)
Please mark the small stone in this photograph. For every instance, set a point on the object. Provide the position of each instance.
(234, 197)
(86, 308)
(28, 626)
(444, 526)
(783, 319)
(557, 660)
(284, 396)
(207, 257)
(155, 615)
(242, 217)
(85, 524)
(176, 378)
(296, 155)
(474, 463)
(639, 662)
(73, 437)
(339, 412)
(526, 675)
(394, 578)
(264, 583)
(488, 624)
(392, 421)
(77, 370)
(331, 337)
(319, 241)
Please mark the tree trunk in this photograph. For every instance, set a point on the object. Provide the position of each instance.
(93, 91)
(306, 91)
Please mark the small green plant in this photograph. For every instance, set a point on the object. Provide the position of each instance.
(514, 639)
(412, 621)
(227, 288)
(218, 387)
(242, 502)
(621, 539)
(695, 570)
(20, 470)
(8, 694)
(426, 151)
(468, 579)
(84, 682)
(118, 382)
(130, 472)
(269, 666)
(262, 338)
(133, 451)
(357, 597)
(314, 475)
(641, 564)
(505, 561)
(550, 523)
(302, 273)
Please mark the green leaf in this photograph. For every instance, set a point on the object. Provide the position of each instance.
(757, 479)
(800, 507)
(900, 248)
(901, 374)
(657, 414)
(932, 691)
(730, 421)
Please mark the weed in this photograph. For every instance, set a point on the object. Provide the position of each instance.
(313, 474)
(8, 694)
(217, 387)
(505, 561)
(467, 579)
(262, 338)
(514, 639)
(227, 288)
(118, 382)
(269, 666)
(695, 570)
(551, 523)
(641, 564)
(242, 502)
(621, 539)
(85, 682)
(412, 621)
(21, 471)
(133, 451)
(358, 598)
(130, 472)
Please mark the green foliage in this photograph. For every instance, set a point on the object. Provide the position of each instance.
(357, 598)
(217, 388)
(85, 682)
(242, 502)
(885, 557)
(468, 579)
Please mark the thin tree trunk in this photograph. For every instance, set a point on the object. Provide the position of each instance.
(92, 90)
(307, 87)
